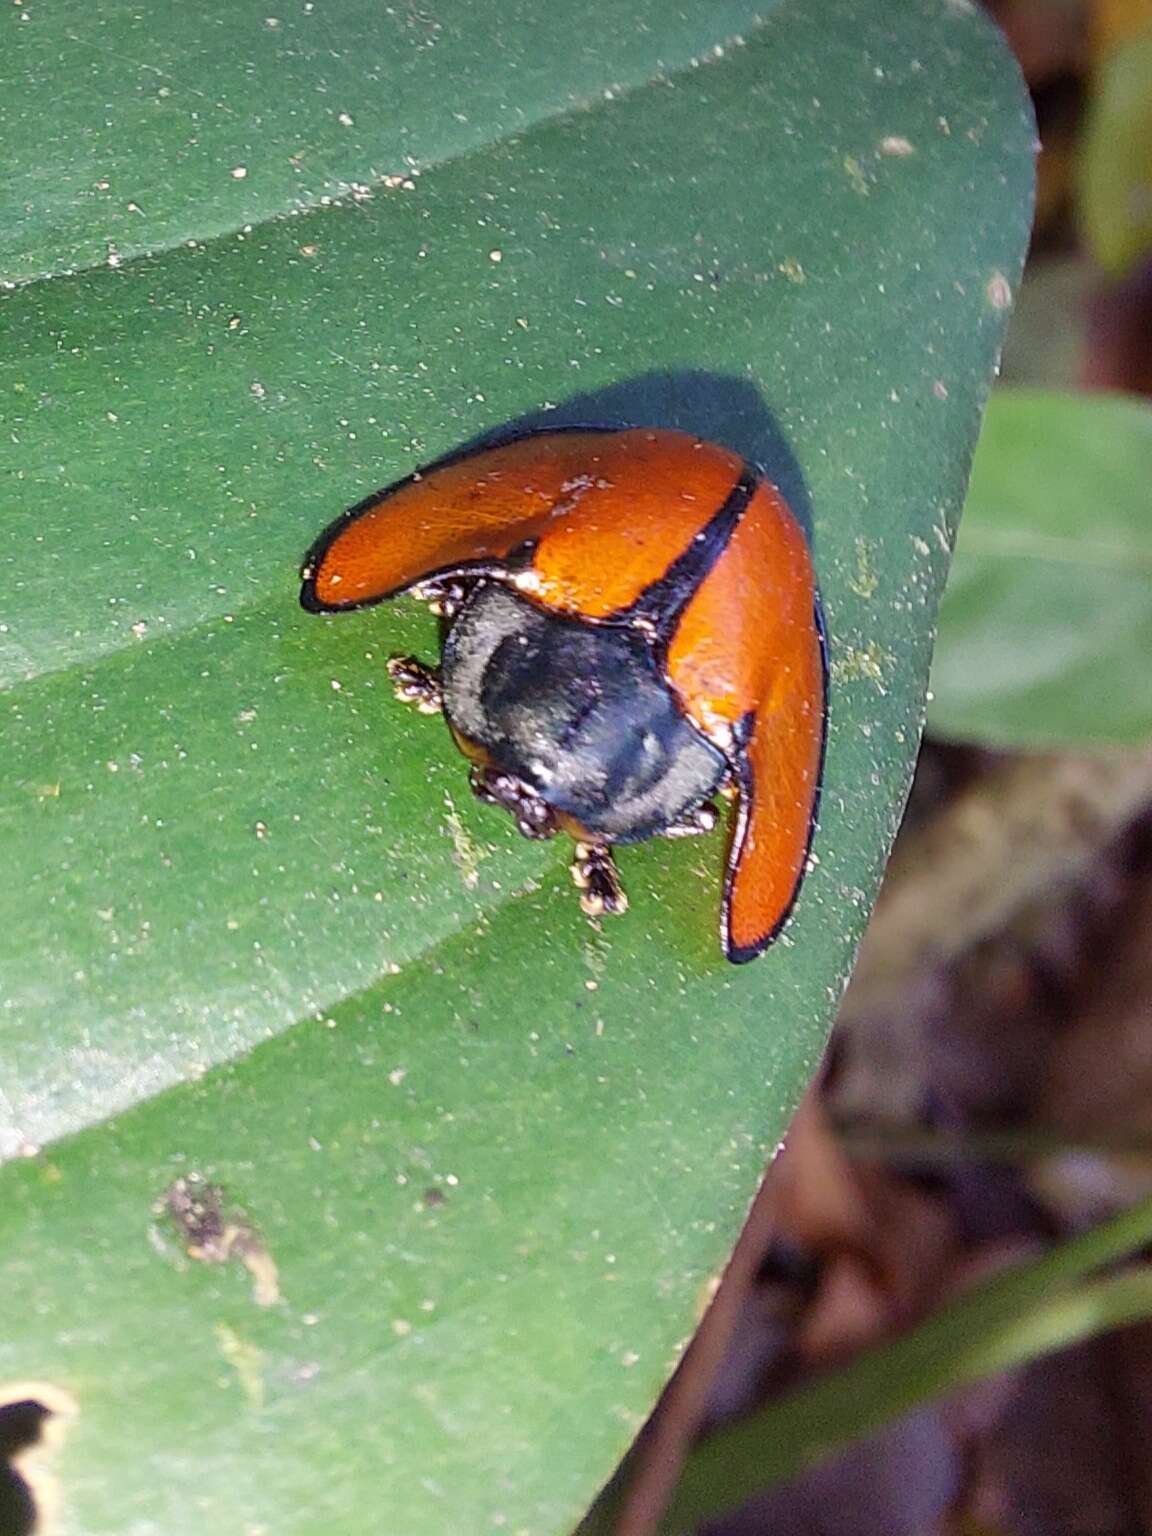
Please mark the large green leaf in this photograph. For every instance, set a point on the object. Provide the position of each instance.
(1046, 626)
(256, 930)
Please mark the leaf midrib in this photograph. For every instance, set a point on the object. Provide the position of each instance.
(318, 202)
(419, 959)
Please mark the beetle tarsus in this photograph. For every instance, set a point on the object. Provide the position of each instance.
(417, 684)
(694, 823)
(595, 873)
(533, 816)
(443, 597)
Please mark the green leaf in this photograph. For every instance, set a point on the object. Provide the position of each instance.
(1046, 625)
(256, 931)
(1115, 179)
(1018, 1316)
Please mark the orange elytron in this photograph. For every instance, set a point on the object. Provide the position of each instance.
(632, 625)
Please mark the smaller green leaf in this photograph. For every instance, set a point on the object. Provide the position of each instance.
(1046, 624)
(1116, 165)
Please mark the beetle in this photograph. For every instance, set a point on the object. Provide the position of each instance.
(631, 626)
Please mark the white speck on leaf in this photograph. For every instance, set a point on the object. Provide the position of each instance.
(998, 291)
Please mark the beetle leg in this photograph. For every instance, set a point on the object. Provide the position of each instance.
(416, 684)
(694, 823)
(443, 597)
(595, 873)
(533, 816)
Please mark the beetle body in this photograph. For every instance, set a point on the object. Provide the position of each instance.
(576, 711)
(632, 625)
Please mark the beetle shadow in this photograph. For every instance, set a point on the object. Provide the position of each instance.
(716, 406)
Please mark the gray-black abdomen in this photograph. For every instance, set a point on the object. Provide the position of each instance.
(577, 710)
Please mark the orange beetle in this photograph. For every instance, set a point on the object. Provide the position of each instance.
(632, 624)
